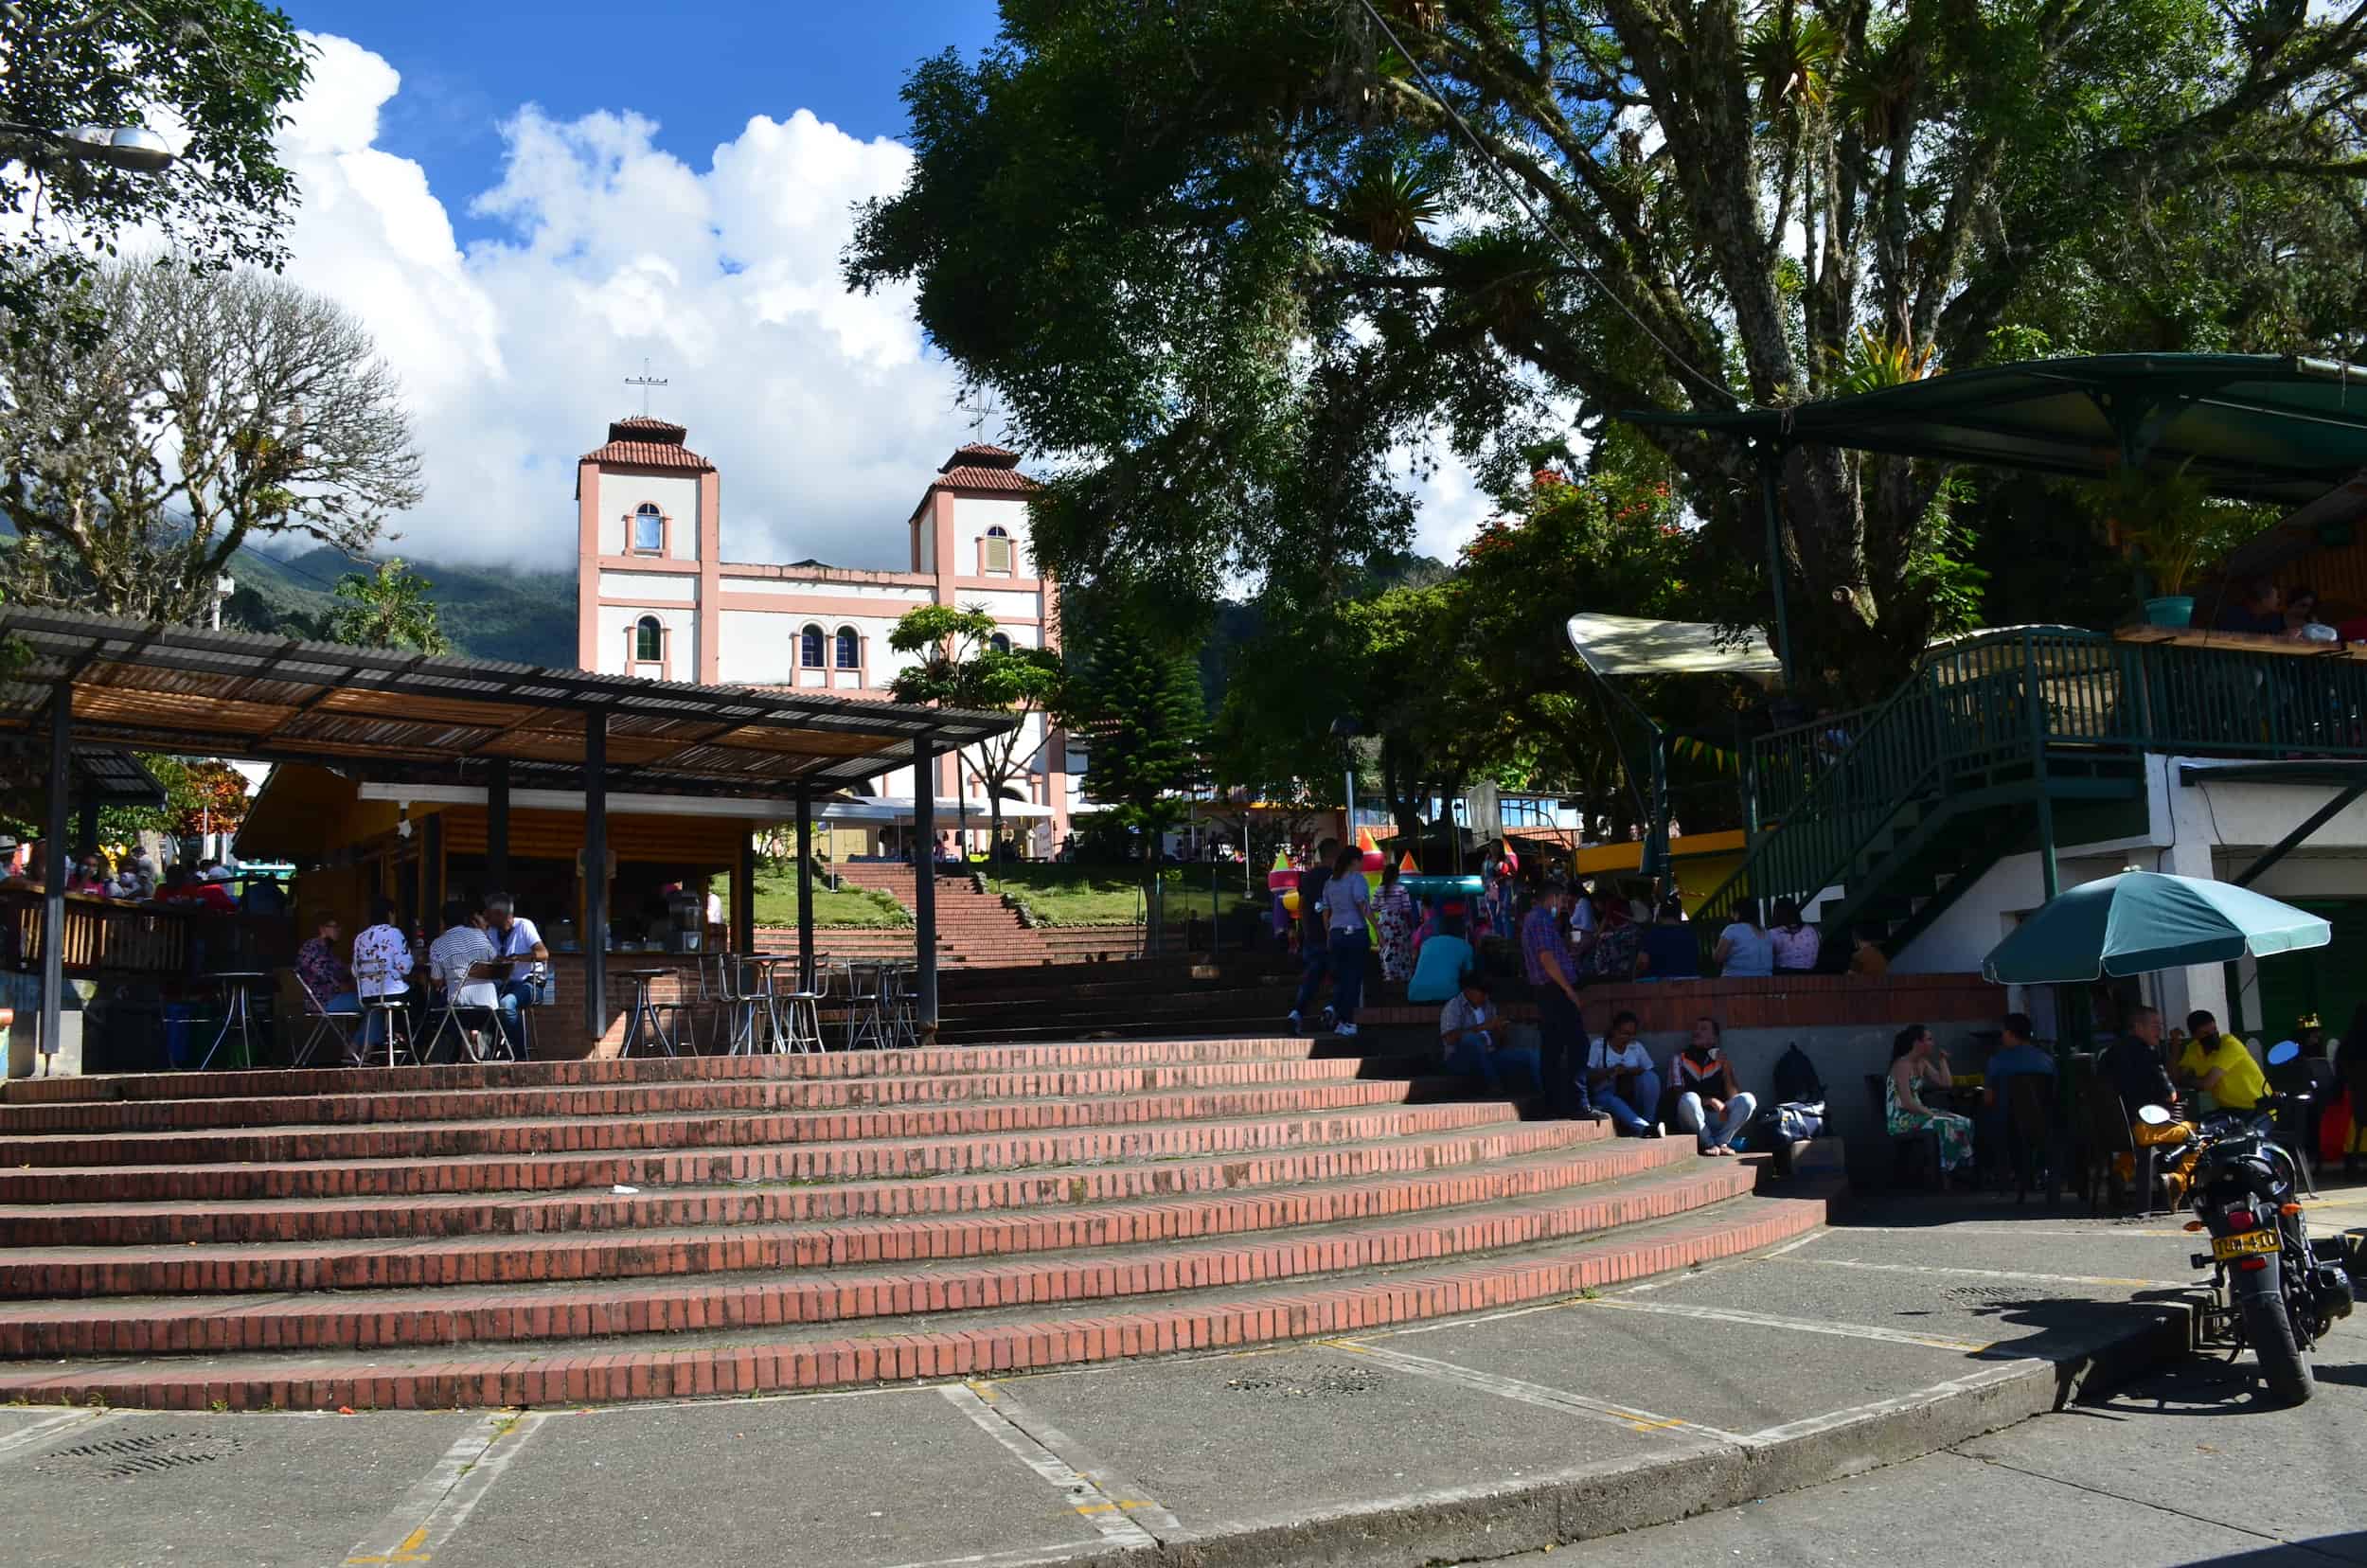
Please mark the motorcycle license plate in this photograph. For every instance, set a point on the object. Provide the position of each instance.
(2243, 1245)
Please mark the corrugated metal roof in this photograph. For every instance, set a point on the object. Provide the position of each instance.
(379, 713)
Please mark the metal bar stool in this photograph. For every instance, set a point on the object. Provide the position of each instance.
(900, 1004)
(796, 1015)
(384, 1013)
(740, 1027)
(866, 1017)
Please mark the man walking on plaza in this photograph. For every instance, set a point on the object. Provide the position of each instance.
(1552, 966)
(1314, 938)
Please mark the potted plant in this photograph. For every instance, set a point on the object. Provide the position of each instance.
(2175, 527)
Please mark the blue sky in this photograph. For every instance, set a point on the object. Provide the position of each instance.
(522, 202)
(697, 67)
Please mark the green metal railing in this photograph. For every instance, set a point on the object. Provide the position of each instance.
(2006, 707)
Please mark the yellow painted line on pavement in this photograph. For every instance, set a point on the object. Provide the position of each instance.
(442, 1500)
(1094, 1492)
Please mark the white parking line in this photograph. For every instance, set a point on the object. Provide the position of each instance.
(441, 1500)
(42, 1432)
(1811, 1425)
(1803, 1326)
(1112, 1517)
(1529, 1392)
(2010, 1275)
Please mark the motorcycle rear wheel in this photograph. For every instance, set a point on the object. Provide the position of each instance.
(2270, 1333)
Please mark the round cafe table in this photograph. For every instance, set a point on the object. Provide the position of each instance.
(237, 1011)
(645, 1014)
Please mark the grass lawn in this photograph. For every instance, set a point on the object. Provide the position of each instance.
(1113, 895)
(776, 904)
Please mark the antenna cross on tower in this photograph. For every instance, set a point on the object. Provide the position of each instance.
(645, 381)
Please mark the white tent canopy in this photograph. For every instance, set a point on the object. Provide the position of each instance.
(1629, 645)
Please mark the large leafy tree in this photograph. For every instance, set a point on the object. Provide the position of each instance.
(219, 409)
(965, 660)
(1145, 721)
(1473, 677)
(1230, 256)
(215, 76)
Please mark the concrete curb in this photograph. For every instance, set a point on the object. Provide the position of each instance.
(1679, 1478)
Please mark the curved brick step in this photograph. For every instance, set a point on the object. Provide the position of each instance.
(807, 1092)
(475, 1138)
(1173, 1050)
(1136, 1247)
(785, 1162)
(506, 1214)
(771, 1360)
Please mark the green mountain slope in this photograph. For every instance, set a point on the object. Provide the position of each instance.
(489, 612)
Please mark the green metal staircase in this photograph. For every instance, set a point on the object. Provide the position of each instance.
(1882, 818)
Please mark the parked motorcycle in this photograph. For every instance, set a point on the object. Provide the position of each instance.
(2271, 1288)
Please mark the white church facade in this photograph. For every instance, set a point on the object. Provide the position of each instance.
(655, 597)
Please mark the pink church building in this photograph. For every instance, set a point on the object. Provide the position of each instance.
(655, 597)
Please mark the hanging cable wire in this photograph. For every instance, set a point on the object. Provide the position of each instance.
(1511, 187)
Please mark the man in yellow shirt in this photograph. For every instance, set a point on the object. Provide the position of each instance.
(2218, 1066)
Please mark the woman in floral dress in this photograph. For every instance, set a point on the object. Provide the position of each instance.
(1916, 1059)
(1393, 909)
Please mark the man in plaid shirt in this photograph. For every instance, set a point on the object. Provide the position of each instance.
(1552, 966)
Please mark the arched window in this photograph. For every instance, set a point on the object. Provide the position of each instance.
(849, 649)
(1000, 642)
(994, 551)
(648, 640)
(649, 529)
(810, 648)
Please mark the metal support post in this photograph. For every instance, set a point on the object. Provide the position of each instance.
(497, 825)
(596, 875)
(805, 888)
(53, 866)
(925, 883)
(2033, 704)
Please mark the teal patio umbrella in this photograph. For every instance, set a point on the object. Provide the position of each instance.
(2144, 921)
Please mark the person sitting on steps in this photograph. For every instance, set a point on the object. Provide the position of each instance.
(1711, 1105)
(1620, 1078)
(1473, 1039)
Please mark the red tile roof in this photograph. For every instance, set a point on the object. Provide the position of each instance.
(667, 454)
(982, 478)
(979, 454)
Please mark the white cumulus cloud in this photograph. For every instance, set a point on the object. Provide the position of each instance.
(821, 408)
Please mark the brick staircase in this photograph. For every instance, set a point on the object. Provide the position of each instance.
(973, 927)
(457, 1235)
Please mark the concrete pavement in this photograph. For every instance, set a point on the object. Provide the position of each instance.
(2181, 1467)
(1908, 1337)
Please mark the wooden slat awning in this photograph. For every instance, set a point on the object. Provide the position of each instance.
(388, 715)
